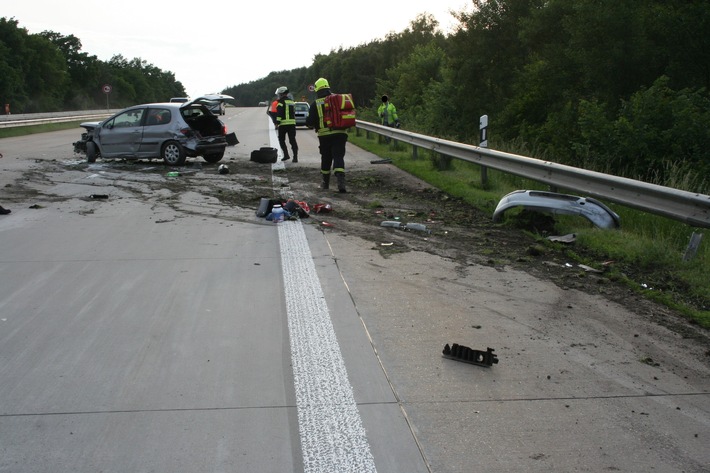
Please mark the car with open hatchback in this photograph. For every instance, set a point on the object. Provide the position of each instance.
(171, 131)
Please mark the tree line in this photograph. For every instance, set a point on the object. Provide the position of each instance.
(619, 87)
(48, 72)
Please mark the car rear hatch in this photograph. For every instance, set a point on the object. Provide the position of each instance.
(209, 130)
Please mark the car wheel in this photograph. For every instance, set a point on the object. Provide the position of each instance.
(91, 152)
(173, 153)
(214, 158)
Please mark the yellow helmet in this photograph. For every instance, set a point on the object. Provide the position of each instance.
(322, 84)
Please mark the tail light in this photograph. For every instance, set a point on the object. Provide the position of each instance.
(187, 132)
(224, 129)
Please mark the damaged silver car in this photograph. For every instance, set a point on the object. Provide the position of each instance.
(168, 131)
(554, 203)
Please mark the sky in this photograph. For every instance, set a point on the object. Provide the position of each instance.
(210, 46)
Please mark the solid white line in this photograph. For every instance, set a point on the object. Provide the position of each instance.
(333, 438)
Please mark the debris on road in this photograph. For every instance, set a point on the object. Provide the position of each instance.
(569, 238)
(420, 227)
(467, 355)
(323, 208)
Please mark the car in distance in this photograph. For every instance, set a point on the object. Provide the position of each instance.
(179, 99)
(300, 110)
(171, 131)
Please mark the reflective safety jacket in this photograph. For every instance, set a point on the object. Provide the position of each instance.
(285, 112)
(388, 113)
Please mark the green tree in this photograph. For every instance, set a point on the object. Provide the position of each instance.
(408, 84)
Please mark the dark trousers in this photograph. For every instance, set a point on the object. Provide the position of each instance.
(290, 131)
(332, 152)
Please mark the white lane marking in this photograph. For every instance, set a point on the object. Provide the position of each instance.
(333, 438)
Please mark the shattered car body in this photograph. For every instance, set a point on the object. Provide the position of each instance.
(168, 131)
(554, 203)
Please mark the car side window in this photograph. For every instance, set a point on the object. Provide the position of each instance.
(158, 116)
(127, 119)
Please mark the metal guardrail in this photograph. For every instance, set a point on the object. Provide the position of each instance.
(690, 208)
(29, 119)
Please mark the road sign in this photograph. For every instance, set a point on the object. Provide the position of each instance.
(106, 88)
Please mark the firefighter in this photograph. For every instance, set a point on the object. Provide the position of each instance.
(332, 142)
(286, 123)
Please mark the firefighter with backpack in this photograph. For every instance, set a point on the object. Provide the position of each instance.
(331, 141)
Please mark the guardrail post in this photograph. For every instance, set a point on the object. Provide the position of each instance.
(414, 152)
(693, 246)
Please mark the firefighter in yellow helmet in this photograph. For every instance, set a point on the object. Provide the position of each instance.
(332, 142)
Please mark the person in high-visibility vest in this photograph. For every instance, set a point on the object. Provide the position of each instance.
(286, 123)
(271, 111)
(388, 114)
(331, 142)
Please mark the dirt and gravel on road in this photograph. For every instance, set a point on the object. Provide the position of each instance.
(382, 193)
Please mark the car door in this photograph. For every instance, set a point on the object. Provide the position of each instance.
(121, 135)
(157, 130)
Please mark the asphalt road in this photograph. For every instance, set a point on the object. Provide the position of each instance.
(137, 335)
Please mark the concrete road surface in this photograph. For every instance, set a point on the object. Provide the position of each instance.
(167, 332)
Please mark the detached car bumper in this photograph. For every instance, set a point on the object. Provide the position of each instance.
(551, 202)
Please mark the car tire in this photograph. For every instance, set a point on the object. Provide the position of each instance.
(173, 153)
(91, 152)
(214, 157)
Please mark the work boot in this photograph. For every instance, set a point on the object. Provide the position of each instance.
(286, 157)
(4, 211)
(325, 183)
(341, 182)
(295, 158)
